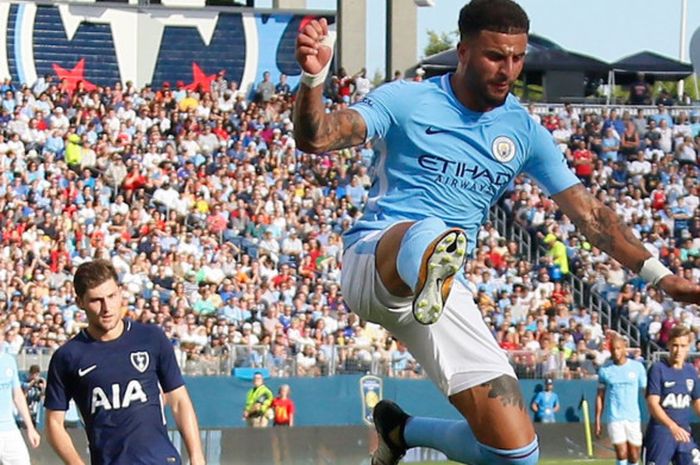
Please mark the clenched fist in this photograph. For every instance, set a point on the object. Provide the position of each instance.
(312, 53)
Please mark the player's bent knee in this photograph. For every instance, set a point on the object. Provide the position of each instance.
(528, 455)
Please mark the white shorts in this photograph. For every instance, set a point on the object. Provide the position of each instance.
(13, 450)
(458, 352)
(624, 431)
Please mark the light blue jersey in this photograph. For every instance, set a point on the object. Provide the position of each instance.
(437, 158)
(546, 403)
(622, 384)
(9, 379)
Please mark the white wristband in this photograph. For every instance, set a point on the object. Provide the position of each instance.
(653, 271)
(314, 80)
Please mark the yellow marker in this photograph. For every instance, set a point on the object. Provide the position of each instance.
(587, 428)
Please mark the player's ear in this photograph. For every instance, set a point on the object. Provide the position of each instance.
(463, 50)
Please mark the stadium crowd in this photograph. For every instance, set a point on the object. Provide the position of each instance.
(228, 237)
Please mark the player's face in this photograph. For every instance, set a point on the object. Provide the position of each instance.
(492, 61)
(102, 304)
(678, 350)
(619, 352)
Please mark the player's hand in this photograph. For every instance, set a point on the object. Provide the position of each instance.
(311, 55)
(598, 429)
(199, 460)
(34, 437)
(681, 289)
(680, 434)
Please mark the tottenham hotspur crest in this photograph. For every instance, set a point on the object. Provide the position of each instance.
(140, 360)
(503, 149)
(690, 384)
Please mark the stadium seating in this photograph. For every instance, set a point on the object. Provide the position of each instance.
(229, 237)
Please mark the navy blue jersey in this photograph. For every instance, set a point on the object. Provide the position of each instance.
(117, 387)
(677, 390)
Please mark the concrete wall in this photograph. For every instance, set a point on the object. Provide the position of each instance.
(352, 35)
(336, 400)
(402, 42)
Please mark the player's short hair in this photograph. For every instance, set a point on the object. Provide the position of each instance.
(504, 16)
(679, 331)
(91, 274)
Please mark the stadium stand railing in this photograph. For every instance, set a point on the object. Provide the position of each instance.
(598, 109)
(342, 360)
(583, 293)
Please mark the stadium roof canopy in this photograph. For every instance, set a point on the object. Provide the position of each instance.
(542, 55)
(654, 66)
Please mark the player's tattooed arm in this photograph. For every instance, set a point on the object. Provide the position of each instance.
(316, 131)
(602, 227)
(507, 390)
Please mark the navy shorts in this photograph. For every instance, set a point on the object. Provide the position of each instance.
(661, 449)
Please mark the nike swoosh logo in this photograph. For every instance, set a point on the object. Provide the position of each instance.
(669, 383)
(430, 130)
(84, 371)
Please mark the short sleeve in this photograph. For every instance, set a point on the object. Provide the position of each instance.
(546, 163)
(57, 397)
(696, 387)
(15, 379)
(380, 106)
(642, 376)
(602, 378)
(168, 371)
(654, 380)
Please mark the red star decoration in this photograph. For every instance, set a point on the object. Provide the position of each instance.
(74, 76)
(200, 78)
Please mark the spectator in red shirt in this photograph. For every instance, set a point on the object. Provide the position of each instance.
(550, 121)
(345, 86)
(283, 407)
(658, 198)
(583, 163)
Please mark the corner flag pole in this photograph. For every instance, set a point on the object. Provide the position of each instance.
(587, 427)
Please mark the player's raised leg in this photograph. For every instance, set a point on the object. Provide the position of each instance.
(498, 429)
(419, 259)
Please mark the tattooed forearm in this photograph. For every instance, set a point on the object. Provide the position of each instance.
(506, 389)
(602, 227)
(318, 131)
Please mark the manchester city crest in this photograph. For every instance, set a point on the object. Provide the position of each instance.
(140, 360)
(503, 149)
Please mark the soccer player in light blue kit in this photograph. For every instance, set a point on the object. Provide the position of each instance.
(13, 451)
(619, 385)
(448, 147)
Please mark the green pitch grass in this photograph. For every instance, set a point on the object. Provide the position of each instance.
(542, 462)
